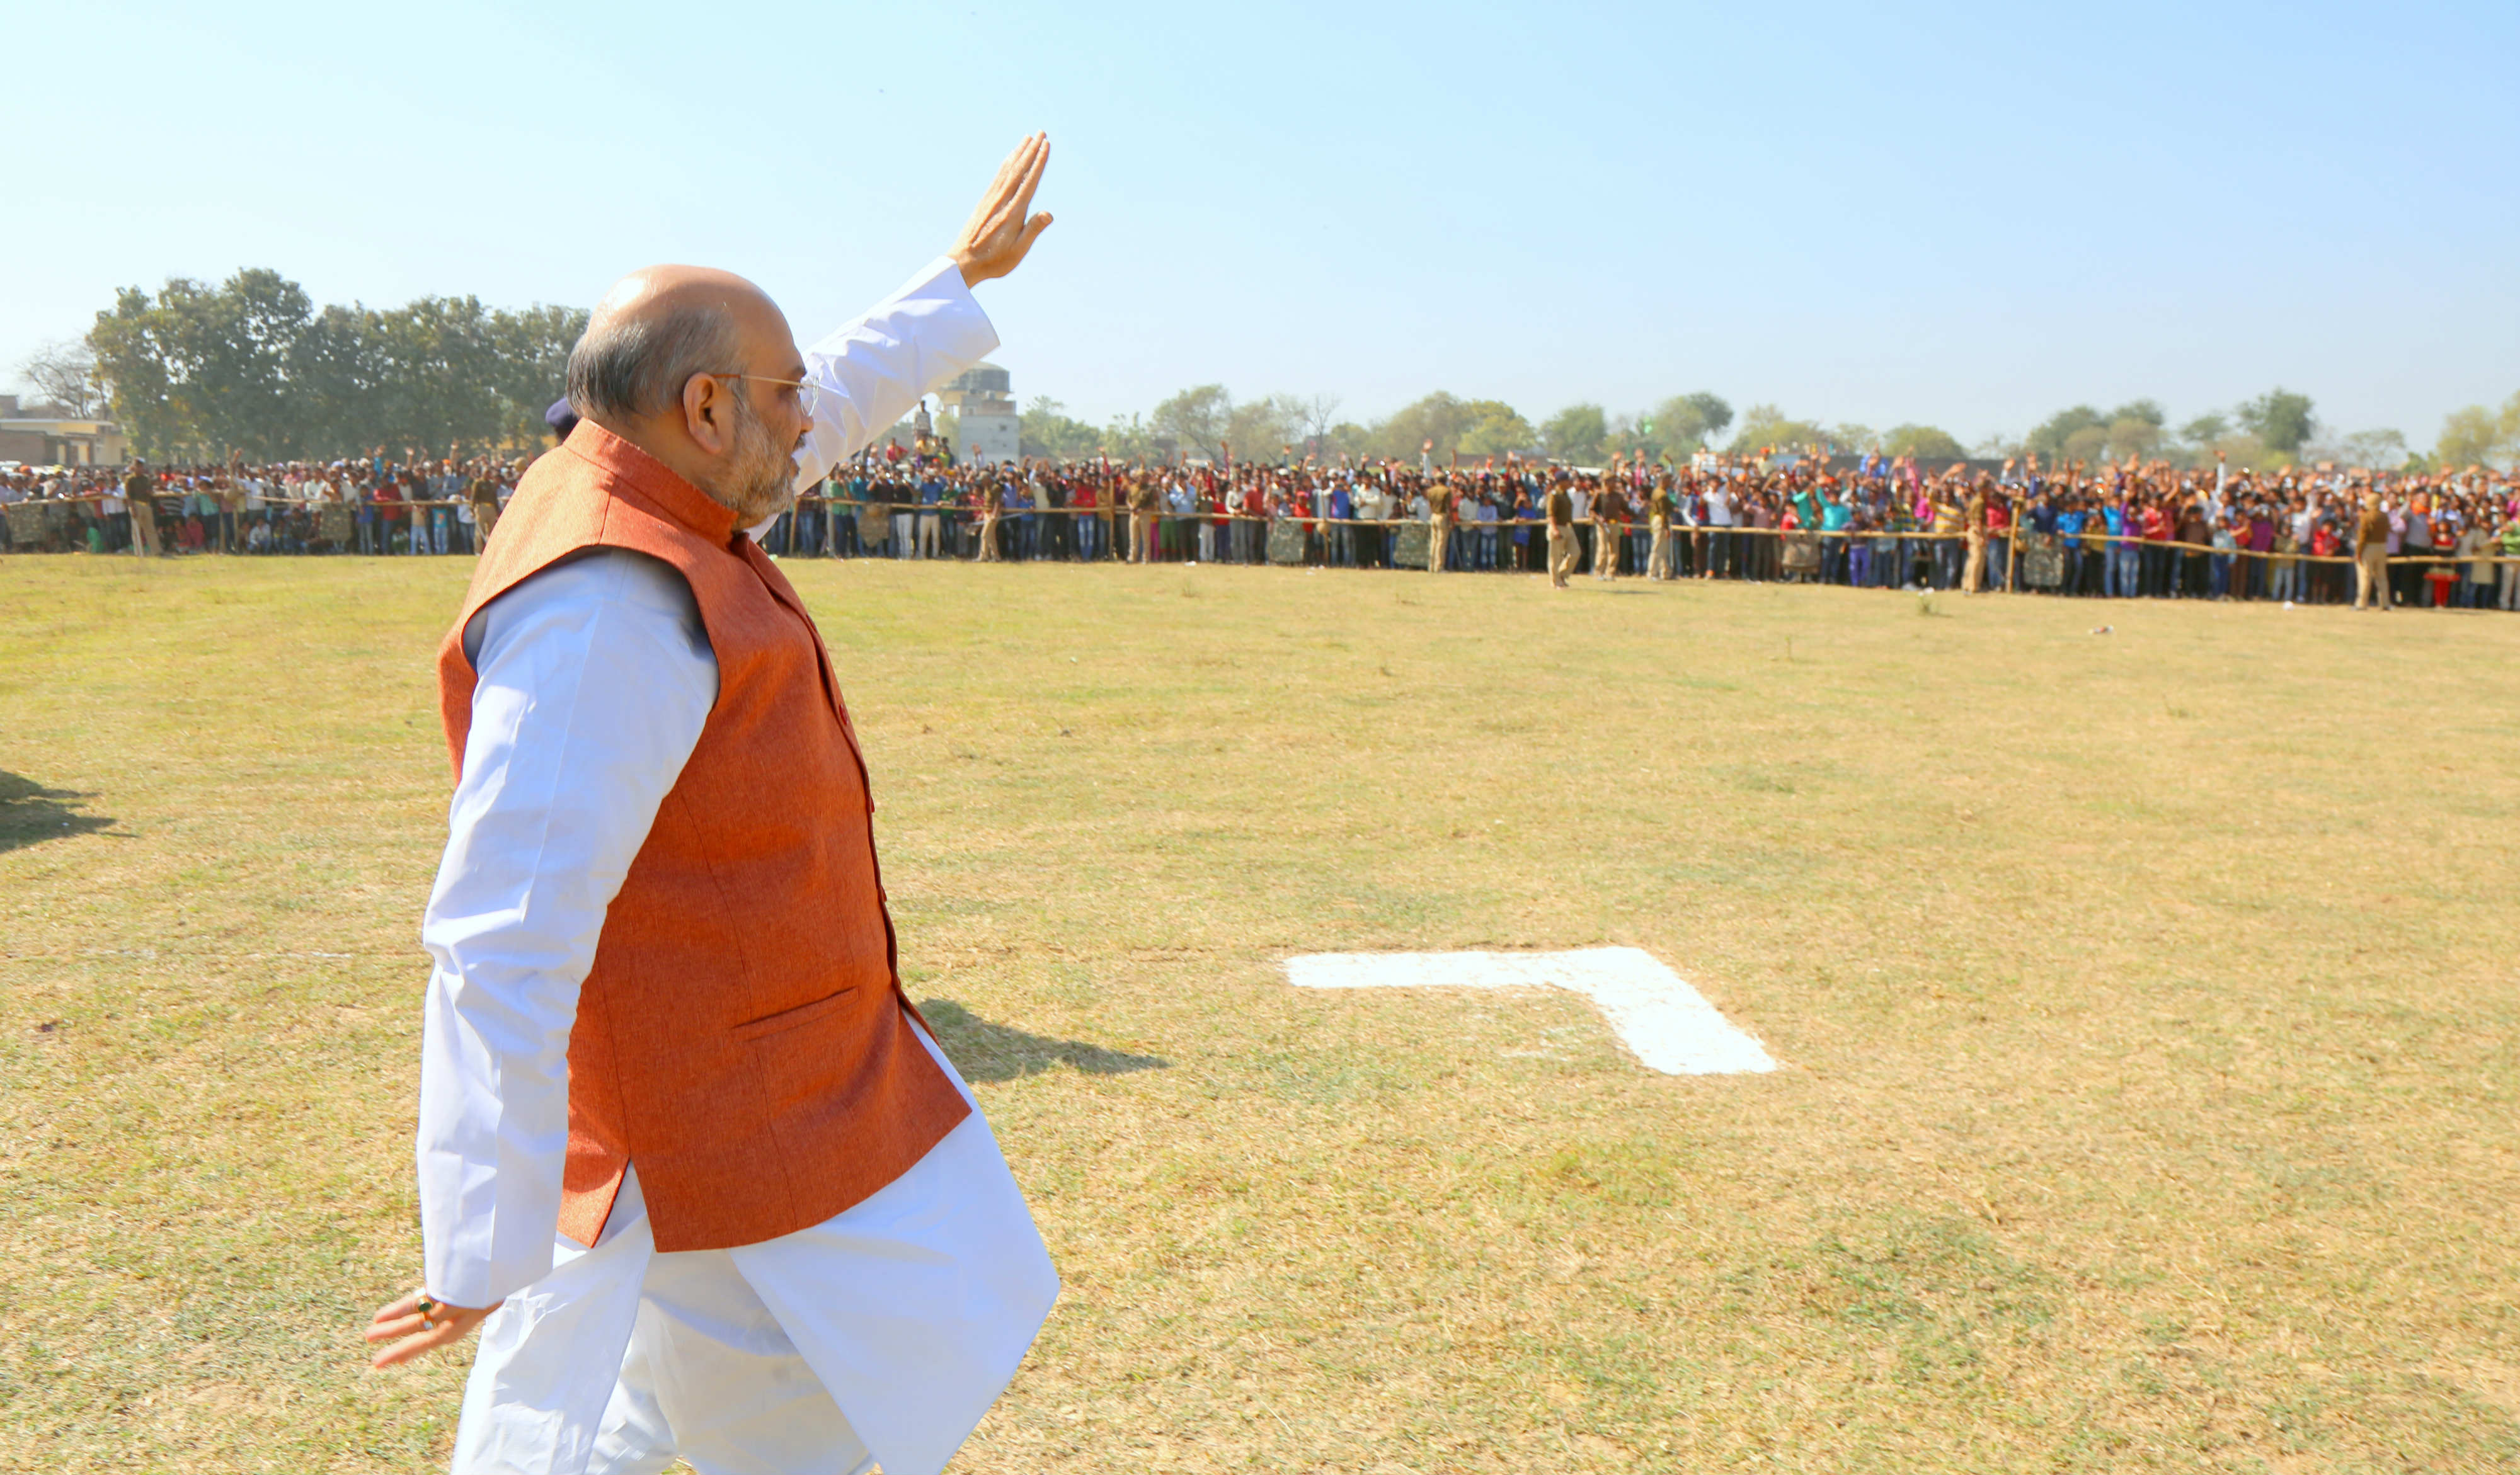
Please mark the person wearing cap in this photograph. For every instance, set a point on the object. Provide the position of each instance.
(1609, 513)
(1658, 509)
(688, 1158)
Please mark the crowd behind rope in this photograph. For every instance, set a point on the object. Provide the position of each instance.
(2135, 531)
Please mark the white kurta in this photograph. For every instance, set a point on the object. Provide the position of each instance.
(886, 1331)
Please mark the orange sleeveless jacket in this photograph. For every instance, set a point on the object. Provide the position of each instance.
(742, 1035)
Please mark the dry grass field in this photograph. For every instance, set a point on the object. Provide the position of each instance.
(2144, 1005)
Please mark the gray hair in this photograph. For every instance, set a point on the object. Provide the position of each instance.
(631, 365)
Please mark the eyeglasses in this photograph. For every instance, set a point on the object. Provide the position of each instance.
(802, 393)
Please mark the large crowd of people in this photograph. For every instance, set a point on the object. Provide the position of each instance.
(2449, 539)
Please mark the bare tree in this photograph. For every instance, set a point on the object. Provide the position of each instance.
(64, 371)
(1320, 413)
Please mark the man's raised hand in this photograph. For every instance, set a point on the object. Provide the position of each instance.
(999, 232)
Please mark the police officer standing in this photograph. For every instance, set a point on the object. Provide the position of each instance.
(1562, 532)
(140, 493)
(1440, 496)
(1607, 510)
(484, 494)
(1658, 510)
(1142, 513)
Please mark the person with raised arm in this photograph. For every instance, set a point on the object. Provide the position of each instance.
(689, 1159)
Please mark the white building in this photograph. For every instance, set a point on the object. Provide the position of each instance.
(987, 430)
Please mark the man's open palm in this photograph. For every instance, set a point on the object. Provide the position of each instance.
(999, 232)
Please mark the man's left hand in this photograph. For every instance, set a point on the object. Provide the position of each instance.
(999, 234)
(421, 1332)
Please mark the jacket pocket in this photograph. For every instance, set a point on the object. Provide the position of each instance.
(804, 1013)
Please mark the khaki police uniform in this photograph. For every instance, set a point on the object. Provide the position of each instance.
(1142, 508)
(1608, 530)
(1562, 535)
(1658, 510)
(140, 495)
(1439, 523)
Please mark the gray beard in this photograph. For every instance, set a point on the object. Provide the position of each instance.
(762, 483)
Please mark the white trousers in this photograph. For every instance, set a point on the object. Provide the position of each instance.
(914, 1307)
(708, 1376)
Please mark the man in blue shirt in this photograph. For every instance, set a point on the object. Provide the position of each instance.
(1834, 516)
(931, 495)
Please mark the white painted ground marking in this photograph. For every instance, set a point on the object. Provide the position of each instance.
(1669, 1025)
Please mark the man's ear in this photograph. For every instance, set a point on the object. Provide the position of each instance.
(708, 418)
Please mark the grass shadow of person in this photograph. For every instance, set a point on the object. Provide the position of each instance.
(985, 1051)
(31, 814)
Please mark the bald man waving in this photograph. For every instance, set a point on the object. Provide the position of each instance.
(688, 1158)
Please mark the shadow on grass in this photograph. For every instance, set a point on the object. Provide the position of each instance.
(985, 1051)
(31, 814)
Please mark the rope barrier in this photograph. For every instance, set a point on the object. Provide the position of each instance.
(984, 516)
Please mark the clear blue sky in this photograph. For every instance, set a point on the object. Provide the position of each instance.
(1961, 215)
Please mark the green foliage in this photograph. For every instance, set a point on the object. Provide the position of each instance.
(1045, 430)
(251, 368)
(2245, 452)
(1205, 421)
(1577, 434)
(2279, 418)
(2479, 437)
(2084, 433)
(1923, 442)
(1197, 420)
(1497, 431)
(1129, 438)
(2054, 438)
(1267, 430)
(2132, 436)
(1440, 417)
(2206, 428)
(1685, 422)
(1765, 428)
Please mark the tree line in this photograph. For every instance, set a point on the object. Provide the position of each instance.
(1204, 421)
(2275, 428)
(251, 368)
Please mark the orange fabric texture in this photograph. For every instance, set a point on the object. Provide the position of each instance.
(742, 1034)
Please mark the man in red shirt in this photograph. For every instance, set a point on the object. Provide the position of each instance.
(1255, 508)
(387, 496)
(1999, 539)
(2156, 534)
(1084, 511)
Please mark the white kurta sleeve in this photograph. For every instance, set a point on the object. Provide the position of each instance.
(595, 680)
(870, 373)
